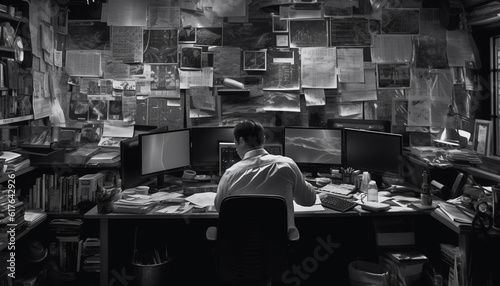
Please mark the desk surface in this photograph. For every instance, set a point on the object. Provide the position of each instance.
(394, 211)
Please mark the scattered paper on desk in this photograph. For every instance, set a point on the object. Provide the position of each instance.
(202, 199)
(406, 199)
(161, 196)
(298, 208)
(168, 210)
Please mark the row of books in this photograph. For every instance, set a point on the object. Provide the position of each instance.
(68, 247)
(55, 193)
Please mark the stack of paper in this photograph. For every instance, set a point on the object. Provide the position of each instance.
(463, 156)
(134, 204)
(8, 156)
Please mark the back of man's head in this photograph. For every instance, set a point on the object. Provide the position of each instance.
(251, 131)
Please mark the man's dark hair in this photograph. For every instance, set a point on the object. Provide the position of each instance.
(251, 131)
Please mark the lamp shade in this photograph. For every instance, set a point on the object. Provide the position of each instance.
(449, 133)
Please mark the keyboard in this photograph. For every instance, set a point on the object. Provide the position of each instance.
(342, 190)
(337, 203)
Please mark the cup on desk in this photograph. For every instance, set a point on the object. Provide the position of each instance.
(142, 190)
(188, 175)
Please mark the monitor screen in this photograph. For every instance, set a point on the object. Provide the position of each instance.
(205, 146)
(164, 151)
(228, 156)
(130, 156)
(313, 146)
(379, 153)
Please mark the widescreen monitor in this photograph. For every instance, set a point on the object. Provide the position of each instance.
(379, 153)
(164, 152)
(314, 148)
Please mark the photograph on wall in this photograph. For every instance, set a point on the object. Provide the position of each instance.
(248, 36)
(401, 21)
(98, 109)
(209, 36)
(279, 25)
(282, 101)
(187, 35)
(115, 110)
(191, 58)
(350, 32)
(281, 41)
(482, 137)
(88, 35)
(164, 77)
(308, 33)
(61, 21)
(254, 60)
(430, 52)
(393, 75)
(160, 46)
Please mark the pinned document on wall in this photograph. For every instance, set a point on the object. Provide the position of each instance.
(314, 96)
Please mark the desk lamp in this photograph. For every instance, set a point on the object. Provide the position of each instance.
(449, 132)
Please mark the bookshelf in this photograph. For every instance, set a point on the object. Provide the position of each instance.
(4, 177)
(3, 244)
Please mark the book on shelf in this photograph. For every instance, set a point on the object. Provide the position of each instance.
(18, 163)
(8, 156)
(33, 217)
(104, 158)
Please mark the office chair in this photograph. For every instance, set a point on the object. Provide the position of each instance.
(252, 240)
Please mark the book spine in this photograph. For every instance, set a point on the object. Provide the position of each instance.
(64, 192)
(71, 204)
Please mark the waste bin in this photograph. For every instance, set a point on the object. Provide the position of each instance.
(151, 274)
(363, 273)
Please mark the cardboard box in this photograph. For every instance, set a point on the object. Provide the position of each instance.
(88, 185)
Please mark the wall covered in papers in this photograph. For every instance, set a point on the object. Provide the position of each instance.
(295, 63)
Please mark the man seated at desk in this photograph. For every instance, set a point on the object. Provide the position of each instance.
(262, 173)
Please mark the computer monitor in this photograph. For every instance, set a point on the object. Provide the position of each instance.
(314, 148)
(228, 156)
(130, 158)
(366, 124)
(205, 146)
(379, 153)
(164, 152)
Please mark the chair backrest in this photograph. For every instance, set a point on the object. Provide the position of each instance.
(252, 240)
